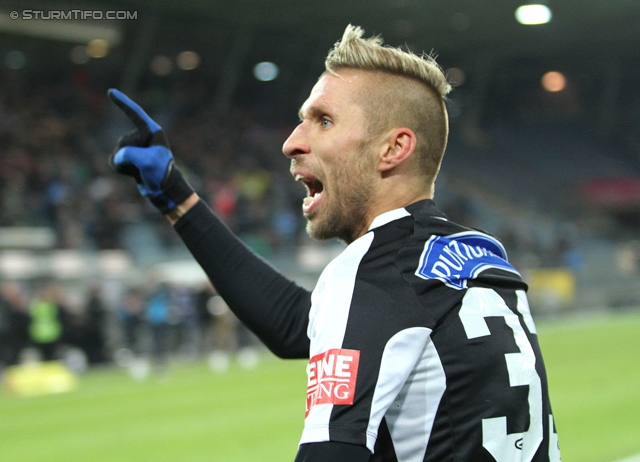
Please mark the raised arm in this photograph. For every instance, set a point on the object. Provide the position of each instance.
(272, 306)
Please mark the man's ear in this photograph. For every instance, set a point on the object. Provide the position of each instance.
(400, 145)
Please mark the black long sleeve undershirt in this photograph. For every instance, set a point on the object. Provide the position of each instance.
(275, 308)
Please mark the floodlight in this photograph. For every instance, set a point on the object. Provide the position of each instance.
(531, 15)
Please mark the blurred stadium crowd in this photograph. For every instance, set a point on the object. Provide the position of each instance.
(54, 170)
(149, 327)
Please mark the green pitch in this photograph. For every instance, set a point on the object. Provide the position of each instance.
(593, 368)
(257, 415)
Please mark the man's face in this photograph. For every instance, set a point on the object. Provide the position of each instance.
(332, 154)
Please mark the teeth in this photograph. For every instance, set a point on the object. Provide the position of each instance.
(309, 199)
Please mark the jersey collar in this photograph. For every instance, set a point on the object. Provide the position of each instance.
(388, 217)
(428, 205)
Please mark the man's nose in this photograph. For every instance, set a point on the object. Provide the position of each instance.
(296, 144)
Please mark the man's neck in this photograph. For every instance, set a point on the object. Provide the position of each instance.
(389, 203)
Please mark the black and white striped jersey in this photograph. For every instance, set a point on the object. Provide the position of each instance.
(420, 341)
(423, 348)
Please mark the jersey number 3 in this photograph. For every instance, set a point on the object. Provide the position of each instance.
(478, 304)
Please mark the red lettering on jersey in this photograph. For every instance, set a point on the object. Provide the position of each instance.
(332, 377)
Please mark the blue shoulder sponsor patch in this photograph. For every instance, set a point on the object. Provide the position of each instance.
(459, 257)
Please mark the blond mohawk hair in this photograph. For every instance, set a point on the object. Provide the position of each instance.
(355, 52)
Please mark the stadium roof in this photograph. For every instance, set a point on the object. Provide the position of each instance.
(446, 26)
(232, 36)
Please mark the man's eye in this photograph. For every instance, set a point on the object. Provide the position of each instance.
(326, 122)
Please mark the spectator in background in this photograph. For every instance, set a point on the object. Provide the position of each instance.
(131, 315)
(95, 315)
(4, 331)
(202, 302)
(46, 324)
(224, 334)
(157, 316)
(184, 321)
(14, 333)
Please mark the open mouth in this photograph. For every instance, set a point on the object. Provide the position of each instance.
(314, 187)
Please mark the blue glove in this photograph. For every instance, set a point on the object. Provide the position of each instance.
(145, 155)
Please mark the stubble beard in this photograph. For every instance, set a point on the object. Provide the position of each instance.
(345, 212)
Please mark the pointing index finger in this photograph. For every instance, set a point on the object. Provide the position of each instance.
(137, 115)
